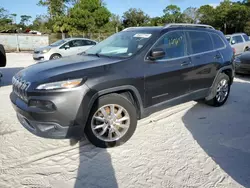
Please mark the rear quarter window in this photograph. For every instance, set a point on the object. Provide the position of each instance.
(217, 41)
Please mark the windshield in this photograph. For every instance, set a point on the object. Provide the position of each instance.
(58, 43)
(228, 39)
(123, 44)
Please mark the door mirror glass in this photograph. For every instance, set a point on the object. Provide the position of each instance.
(157, 54)
(233, 42)
(67, 46)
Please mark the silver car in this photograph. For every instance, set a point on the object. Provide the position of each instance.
(62, 48)
(239, 41)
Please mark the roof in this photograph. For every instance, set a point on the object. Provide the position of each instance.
(76, 38)
(171, 25)
(235, 34)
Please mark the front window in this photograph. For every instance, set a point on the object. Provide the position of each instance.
(58, 43)
(123, 44)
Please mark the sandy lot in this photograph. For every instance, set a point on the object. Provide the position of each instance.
(190, 145)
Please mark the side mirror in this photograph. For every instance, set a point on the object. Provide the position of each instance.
(233, 42)
(67, 47)
(157, 54)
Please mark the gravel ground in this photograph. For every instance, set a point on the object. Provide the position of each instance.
(190, 145)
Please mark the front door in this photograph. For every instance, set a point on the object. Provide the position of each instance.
(167, 78)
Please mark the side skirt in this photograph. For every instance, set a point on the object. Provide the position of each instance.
(199, 94)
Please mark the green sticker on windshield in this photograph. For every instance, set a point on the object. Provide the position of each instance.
(142, 35)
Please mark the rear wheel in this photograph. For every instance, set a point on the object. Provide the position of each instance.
(222, 90)
(246, 49)
(112, 121)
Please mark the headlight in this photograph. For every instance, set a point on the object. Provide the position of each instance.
(45, 50)
(60, 85)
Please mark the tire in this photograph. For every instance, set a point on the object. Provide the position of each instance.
(55, 56)
(2, 56)
(105, 102)
(246, 49)
(215, 101)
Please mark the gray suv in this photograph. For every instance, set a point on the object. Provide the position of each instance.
(239, 41)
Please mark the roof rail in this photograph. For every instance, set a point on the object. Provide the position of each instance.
(188, 25)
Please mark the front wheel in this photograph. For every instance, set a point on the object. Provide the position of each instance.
(222, 88)
(112, 121)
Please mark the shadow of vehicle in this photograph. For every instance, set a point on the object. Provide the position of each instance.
(224, 133)
(95, 167)
(7, 74)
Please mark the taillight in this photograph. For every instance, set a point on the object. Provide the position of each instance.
(234, 51)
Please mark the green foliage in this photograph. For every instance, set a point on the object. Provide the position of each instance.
(54, 7)
(88, 16)
(25, 19)
(135, 17)
(207, 15)
(191, 15)
(172, 14)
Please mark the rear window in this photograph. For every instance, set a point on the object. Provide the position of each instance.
(200, 42)
(246, 37)
(218, 42)
(238, 39)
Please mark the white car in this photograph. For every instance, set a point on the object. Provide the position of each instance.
(240, 42)
(62, 48)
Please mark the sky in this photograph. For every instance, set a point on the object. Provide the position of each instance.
(151, 7)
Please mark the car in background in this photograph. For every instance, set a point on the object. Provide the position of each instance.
(240, 42)
(62, 48)
(2, 58)
(242, 63)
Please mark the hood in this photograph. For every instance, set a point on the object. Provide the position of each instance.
(245, 57)
(63, 68)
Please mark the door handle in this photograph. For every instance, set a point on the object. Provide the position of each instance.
(186, 63)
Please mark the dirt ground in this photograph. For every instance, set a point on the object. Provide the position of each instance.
(190, 145)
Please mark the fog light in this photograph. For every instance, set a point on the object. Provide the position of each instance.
(42, 104)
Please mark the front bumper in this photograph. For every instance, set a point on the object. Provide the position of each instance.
(38, 56)
(66, 121)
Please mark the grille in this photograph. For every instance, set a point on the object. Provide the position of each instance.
(20, 88)
(36, 52)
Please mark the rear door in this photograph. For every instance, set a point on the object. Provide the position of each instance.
(205, 59)
(167, 78)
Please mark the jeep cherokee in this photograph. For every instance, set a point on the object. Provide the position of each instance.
(130, 75)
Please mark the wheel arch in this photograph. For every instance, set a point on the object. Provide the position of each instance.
(56, 53)
(229, 71)
(128, 91)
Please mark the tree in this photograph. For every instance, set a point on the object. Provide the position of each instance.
(135, 17)
(54, 7)
(88, 16)
(207, 15)
(42, 23)
(5, 21)
(238, 16)
(191, 15)
(62, 24)
(156, 21)
(25, 19)
(14, 17)
(172, 14)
